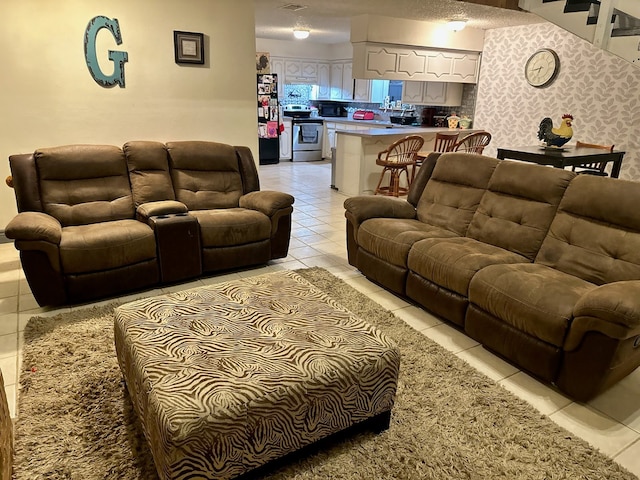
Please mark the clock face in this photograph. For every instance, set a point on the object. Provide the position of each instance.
(542, 68)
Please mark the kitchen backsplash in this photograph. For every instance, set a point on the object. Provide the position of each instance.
(296, 94)
(302, 94)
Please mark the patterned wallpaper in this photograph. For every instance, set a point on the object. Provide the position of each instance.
(600, 90)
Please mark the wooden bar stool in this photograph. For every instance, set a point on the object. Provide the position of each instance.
(472, 143)
(396, 159)
(443, 143)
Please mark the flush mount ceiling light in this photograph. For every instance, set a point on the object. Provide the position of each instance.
(456, 25)
(300, 33)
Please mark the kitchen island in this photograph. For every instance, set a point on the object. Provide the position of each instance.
(356, 172)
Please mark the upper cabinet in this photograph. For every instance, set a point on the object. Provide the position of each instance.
(300, 71)
(324, 81)
(341, 81)
(432, 93)
(277, 67)
(373, 61)
(346, 88)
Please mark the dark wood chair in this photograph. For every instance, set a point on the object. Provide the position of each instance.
(442, 143)
(592, 168)
(472, 143)
(395, 159)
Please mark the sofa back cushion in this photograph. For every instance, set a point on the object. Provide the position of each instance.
(205, 175)
(518, 207)
(148, 165)
(83, 184)
(454, 190)
(595, 234)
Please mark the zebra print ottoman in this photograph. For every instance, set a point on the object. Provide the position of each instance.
(228, 377)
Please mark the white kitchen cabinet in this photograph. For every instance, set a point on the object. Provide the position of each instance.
(412, 92)
(329, 139)
(341, 81)
(362, 90)
(324, 81)
(347, 81)
(300, 71)
(277, 67)
(370, 91)
(378, 61)
(286, 140)
(432, 93)
(435, 93)
(336, 80)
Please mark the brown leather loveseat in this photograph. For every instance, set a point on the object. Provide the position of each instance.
(98, 220)
(540, 265)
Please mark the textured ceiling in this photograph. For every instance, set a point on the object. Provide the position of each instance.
(329, 21)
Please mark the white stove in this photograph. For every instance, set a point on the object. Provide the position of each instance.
(297, 111)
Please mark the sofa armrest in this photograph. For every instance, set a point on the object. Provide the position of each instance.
(268, 202)
(34, 226)
(612, 309)
(162, 207)
(359, 209)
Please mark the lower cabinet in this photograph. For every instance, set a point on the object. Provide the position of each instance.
(329, 139)
(286, 140)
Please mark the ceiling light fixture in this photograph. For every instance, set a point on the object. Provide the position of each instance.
(300, 33)
(456, 25)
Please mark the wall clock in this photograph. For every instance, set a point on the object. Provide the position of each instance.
(542, 68)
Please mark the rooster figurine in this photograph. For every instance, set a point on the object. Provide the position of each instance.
(556, 137)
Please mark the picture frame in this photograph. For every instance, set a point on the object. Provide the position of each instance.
(188, 47)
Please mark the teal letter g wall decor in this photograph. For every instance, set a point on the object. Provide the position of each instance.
(118, 58)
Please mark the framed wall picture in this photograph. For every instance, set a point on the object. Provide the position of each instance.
(189, 47)
(263, 62)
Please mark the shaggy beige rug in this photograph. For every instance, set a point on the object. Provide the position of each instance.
(449, 422)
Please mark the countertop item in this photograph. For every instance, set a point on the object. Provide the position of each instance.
(363, 115)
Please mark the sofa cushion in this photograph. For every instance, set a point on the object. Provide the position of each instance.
(596, 232)
(82, 184)
(391, 238)
(532, 298)
(516, 211)
(452, 262)
(205, 175)
(148, 166)
(107, 245)
(454, 191)
(232, 226)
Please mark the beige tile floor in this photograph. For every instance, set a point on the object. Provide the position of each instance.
(611, 422)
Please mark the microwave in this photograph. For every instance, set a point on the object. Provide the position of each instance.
(331, 110)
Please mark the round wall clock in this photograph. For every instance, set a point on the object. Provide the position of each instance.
(542, 67)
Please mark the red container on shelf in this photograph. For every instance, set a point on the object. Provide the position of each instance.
(362, 115)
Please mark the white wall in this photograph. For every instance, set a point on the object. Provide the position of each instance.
(304, 49)
(599, 89)
(48, 97)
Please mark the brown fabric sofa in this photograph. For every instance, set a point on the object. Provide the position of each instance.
(540, 265)
(96, 220)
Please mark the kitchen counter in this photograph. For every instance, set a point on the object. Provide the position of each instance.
(356, 172)
(403, 130)
(366, 123)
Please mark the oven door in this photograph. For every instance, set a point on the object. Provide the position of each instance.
(307, 141)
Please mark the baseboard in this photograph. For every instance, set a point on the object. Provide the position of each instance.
(3, 238)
